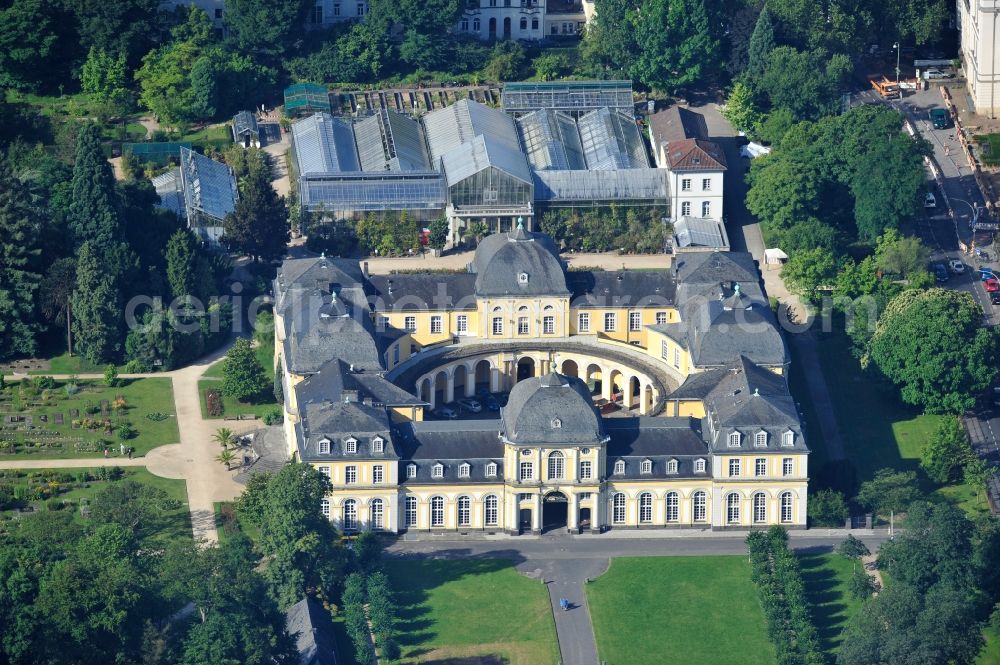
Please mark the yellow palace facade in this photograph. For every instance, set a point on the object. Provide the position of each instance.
(609, 399)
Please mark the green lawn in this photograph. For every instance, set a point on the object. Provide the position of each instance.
(229, 408)
(455, 611)
(885, 432)
(683, 610)
(217, 135)
(990, 654)
(49, 440)
(74, 485)
(827, 578)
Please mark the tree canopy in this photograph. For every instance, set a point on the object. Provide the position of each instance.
(933, 346)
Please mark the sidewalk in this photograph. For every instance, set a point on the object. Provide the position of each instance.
(459, 261)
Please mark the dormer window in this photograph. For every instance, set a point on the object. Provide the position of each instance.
(438, 471)
(619, 467)
(760, 440)
(672, 466)
(647, 466)
(522, 278)
(378, 445)
(324, 446)
(699, 466)
(491, 470)
(463, 470)
(351, 446)
(556, 423)
(788, 439)
(411, 470)
(734, 440)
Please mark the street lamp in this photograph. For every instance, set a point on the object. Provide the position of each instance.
(896, 46)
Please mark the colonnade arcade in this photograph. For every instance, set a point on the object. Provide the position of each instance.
(498, 372)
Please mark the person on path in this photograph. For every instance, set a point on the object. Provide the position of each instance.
(130, 449)
(105, 453)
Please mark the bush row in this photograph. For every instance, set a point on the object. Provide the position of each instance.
(775, 572)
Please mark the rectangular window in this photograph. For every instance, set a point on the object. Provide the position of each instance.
(395, 354)
(464, 512)
(465, 25)
(661, 318)
(548, 325)
(787, 466)
(677, 358)
(497, 325)
(491, 513)
(325, 470)
(583, 322)
(706, 184)
(377, 473)
(586, 470)
(336, 10)
(437, 471)
(413, 349)
(686, 185)
(635, 321)
(437, 511)
(522, 325)
(609, 321)
(760, 467)
(317, 15)
(411, 471)
(436, 325)
(462, 324)
(527, 471)
(218, 13)
(734, 440)
(685, 209)
(524, 497)
(664, 349)
(352, 446)
(324, 447)
(361, 9)
(410, 324)
(351, 475)
(411, 511)
(706, 209)
(583, 496)
(534, 24)
(734, 468)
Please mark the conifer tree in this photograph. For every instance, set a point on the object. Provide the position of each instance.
(258, 225)
(97, 310)
(18, 276)
(761, 45)
(94, 210)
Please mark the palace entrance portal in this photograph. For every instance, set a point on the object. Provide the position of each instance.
(554, 507)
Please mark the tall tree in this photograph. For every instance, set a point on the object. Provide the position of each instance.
(94, 211)
(761, 45)
(35, 50)
(889, 491)
(258, 224)
(243, 378)
(19, 275)
(932, 345)
(296, 539)
(612, 35)
(187, 270)
(269, 27)
(676, 45)
(97, 309)
(122, 26)
(806, 82)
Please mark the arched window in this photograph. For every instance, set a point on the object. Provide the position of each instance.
(491, 470)
(760, 440)
(645, 508)
(788, 439)
(437, 511)
(672, 466)
(733, 508)
(734, 440)
(556, 466)
(463, 470)
(324, 507)
(492, 511)
(618, 508)
(524, 23)
(411, 511)
(786, 507)
(759, 508)
(350, 515)
(620, 467)
(464, 511)
(376, 515)
(647, 466)
(411, 470)
(475, 24)
(699, 466)
(673, 507)
(699, 507)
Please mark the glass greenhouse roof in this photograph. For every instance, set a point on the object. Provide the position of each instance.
(209, 186)
(551, 140)
(306, 98)
(524, 97)
(324, 144)
(611, 140)
(634, 185)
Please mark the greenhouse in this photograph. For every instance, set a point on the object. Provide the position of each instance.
(304, 98)
(210, 193)
(570, 96)
(158, 153)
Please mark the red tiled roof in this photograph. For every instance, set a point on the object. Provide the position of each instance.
(675, 124)
(695, 155)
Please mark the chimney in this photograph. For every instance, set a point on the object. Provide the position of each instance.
(364, 269)
(349, 396)
(390, 287)
(367, 401)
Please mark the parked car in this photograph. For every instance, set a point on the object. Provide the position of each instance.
(446, 412)
(995, 298)
(930, 201)
(940, 119)
(957, 266)
(992, 285)
(940, 272)
(469, 404)
(985, 272)
(936, 74)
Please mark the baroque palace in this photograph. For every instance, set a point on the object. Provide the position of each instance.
(637, 399)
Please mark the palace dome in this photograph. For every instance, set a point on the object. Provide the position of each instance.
(551, 409)
(518, 264)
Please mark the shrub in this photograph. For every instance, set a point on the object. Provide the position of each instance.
(827, 508)
(136, 366)
(54, 504)
(111, 376)
(852, 548)
(862, 585)
(273, 417)
(213, 403)
(44, 383)
(125, 431)
(156, 416)
(71, 387)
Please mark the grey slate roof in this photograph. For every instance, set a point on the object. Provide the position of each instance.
(450, 443)
(716, 267)
(502, 257)
(716, 336)
(427, 291)
(333, 378)
(699, 384)
(551, 409)
(658, 440)
(311, 627)
(621, 288)
(337, 422)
